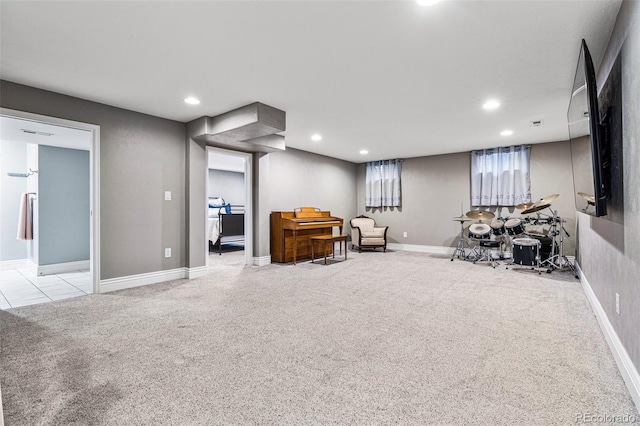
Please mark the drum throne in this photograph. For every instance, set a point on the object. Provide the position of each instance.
(484, 252)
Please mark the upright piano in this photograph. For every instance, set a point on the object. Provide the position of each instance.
(291, 232)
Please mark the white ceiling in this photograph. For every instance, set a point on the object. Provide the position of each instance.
(12, 130)
(229, 163)
(392, 77)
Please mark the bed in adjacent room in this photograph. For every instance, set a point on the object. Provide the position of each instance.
(225, 224)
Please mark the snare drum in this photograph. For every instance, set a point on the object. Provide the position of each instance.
(497, 227)
(514, 226)
(526, 251)
(479, 231)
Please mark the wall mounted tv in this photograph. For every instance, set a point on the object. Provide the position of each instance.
(589, 152)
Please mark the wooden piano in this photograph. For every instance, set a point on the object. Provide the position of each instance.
(291, 232)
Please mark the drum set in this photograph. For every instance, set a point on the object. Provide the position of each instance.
(535, 240)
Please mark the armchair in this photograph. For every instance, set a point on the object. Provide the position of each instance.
(365, 233)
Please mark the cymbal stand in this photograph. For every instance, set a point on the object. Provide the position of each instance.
(559, 260)
(508, 240)
(462, 245)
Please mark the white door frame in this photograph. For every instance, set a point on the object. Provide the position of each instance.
(94, 177)
(248, 206)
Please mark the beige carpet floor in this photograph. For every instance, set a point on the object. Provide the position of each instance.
(383, 338)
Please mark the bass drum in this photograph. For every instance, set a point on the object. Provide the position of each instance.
(497, 227)
(546, 243)
(514, 227)
(526, 251)
(479, 231)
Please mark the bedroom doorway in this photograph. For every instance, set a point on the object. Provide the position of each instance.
(51, 166)
(229, 218)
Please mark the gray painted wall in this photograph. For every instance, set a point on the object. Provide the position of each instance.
(63, 205)
(299, 178)
(13, 158)
(141, 157)
(295, 178)
(228, 185)
(609, 251)
(437, 188)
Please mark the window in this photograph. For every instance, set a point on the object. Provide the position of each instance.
(500, 176)
(382, 187)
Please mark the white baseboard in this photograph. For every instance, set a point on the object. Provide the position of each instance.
(131, 281)
(421, 248)
(437, 249)
(262, 260)
(61, 268)
(625, 365)
(197, 272)
(7, 265)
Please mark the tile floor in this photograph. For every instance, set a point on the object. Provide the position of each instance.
(21, 287)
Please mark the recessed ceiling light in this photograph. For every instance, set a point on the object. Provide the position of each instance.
(316, 137)
(364, 151)
(192, 101)
(506, 133)
(427, 2)
(491, 104)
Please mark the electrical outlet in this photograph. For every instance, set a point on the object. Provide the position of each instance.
(167, 195)
(404, 235)
(617, 304)
(167, 252)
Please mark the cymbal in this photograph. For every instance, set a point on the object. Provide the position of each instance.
(480, 214)
(589, 198)
(536, 207)
(461, 219)
(524, 206)
(548, 199)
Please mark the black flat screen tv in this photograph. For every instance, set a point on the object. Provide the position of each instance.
(588, 140)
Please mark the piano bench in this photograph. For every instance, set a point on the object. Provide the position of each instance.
(325, 239)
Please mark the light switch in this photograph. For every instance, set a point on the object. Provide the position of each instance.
(167, 195)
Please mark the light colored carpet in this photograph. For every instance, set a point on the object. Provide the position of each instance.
(383, 338)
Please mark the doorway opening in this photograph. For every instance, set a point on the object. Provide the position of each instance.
(229, 215)
(49, 187)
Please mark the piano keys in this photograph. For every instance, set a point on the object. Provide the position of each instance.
(291, 232)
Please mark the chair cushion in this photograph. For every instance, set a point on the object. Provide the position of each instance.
(373, 241)
(365, 224)
(377, 233)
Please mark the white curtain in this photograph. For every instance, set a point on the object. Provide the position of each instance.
(383, 186)
(500, 176)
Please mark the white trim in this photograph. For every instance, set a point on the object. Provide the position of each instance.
(248, 203)
(94, 176)
(131, 281)
(262, 260)
(7, 265)
(1, 414)
(421, 248)
(625, 365)
(197, 272)
(60, 268)
(437, 249)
